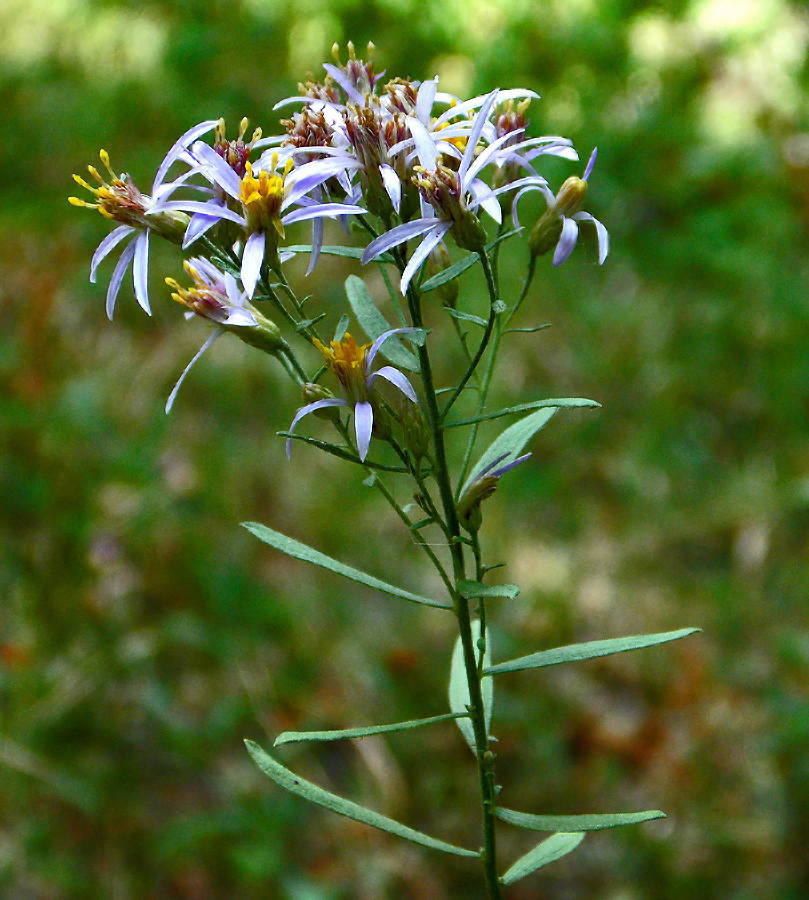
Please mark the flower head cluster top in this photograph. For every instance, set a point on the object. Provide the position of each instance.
(398, 162)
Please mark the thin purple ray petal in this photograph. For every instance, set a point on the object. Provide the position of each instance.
(601, 232)
(474, 134)
(397, 235)
(339, 76)
(590, 163)
(395, 377)
(317, 243)
(363, 426)
(221, 172)
(252, 258)
(199, 224)
(425, 248)
(187, 369)
(304, 411)
(140, 271)
(567, 241)
(393, 186)
(425, 143)
(211, 208)
(321, 210)
(180, 145)
(425, 98)
(371, 355)
(118, 276)
(110, 241)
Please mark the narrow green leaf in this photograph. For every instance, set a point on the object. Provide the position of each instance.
(297, 550)
(531, 330)
(508, 446)
(594, 822)
(465, 317)
(588, 650)
(340, 452)
(349, 252)
(342, 327)
(320, 797)
(373, 323)
(295, 737)
(459, 699)
(474, 590)
(307, 323)
(459, 267)
(558, 403)
(548, 851)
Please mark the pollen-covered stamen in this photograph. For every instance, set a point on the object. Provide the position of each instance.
(262, 197)
(442, 190)
(117, 198)
(202, 298)
(237, 152)
(307, 128)
(359, 73)
(345, 359)
(401, 96)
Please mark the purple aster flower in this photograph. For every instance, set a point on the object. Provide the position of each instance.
(351, 364)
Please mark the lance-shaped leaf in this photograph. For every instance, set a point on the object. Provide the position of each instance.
(297, 737)
(349, 252)
(593, 822)
(320, 797)
(459, 699)
(297, 550)
(548, 851)
(465, 317)
(475, 590)
(588, 650)
(559, 403)
(459, 267)
(373, 323)
(508, 446)
(340, 452)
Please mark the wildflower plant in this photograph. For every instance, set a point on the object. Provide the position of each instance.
(408, 171)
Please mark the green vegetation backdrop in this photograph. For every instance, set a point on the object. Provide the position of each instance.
(143, 634)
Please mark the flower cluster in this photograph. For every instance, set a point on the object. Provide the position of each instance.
(411, 164)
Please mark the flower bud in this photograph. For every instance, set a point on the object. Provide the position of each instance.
(438, 261)
(571, 196)
(545, 234)
(414, 430)
(469, 513)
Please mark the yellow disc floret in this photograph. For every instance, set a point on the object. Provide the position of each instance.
(262, 197)
(346, 360)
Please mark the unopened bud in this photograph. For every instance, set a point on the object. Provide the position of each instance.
(469, 513)
(570, 198)
(439, 261)
(414, 429)
(545, 234)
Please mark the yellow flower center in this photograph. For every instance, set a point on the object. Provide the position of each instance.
(262, 197)
(116, 199)
(346, 360)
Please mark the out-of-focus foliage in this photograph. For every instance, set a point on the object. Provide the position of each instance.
(143, 634)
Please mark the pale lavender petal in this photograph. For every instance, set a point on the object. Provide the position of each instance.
(563, 151)
(202, 349)
(208, 271)
(317, 243)
(425, 143)
(425, 99)
(339, 76)
(601, 232)
(531, 187)
(425, 248)
(481, 196)
(270, 141)
(397, 235)
(140, 271)
(314, 173)
(397, 378)
(163, 191)
(501, 470)
(179, 145)
(211, 208)
(235, 296)
(393, 186)
(371, 355)
(252, 258)
(486, 469)
(110, 241)
(590, 163)
(304, 411)
(474, 134)
(320, 210)
(567, 241)
(220, 172)
(488, 153)
(118, 276)
(199, 224)
(363, 426)
(241, 317)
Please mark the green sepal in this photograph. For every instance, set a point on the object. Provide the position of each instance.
(594, 822)
(462, 265)
(297, 550)
(373, 323)
(296, 737)
(320, 797)
(340, 452)
(475, 590)
(465, 317)
(548, 851)
(508, 446)
(459, 699)
(350, 252)
(557, 403)
(588, 650)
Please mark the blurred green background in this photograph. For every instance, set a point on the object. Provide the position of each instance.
(143, 634)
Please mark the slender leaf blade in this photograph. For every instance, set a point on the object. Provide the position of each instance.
(548, 851)
(558, 403)
(340, 452)
(465, 317)
(508, 445)
(297, 550)
(336, 250)
(474, 590)
(373, 323)
(320, 797)
(591, 822)
(459, 699)
(588, 650)
(297, 737)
